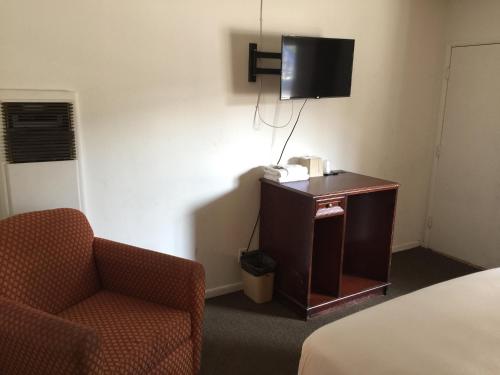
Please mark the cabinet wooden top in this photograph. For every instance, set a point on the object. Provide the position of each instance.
(343, 183)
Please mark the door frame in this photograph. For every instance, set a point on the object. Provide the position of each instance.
(440, 129)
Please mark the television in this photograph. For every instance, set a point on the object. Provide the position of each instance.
(316, 67)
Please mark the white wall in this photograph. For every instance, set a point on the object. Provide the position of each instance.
(473, 21)
(167, 115)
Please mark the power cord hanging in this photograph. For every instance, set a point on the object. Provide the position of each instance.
(290, 135)
(259, 96)
(281, 155)
(257, 113)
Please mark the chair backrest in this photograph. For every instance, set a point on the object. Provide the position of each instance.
(46, 259)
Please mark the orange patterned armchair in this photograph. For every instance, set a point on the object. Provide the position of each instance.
(71, 303)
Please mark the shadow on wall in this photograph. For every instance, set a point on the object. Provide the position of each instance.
(241, 92)
(223, 226)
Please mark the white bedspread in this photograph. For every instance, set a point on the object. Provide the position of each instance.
(448, 328)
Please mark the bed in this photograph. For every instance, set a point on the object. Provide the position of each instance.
(448, 328)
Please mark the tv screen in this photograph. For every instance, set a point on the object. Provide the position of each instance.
(316, 67)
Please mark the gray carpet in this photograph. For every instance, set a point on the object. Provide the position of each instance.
(241, 337)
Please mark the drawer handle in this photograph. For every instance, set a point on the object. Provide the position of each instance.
(332, 210)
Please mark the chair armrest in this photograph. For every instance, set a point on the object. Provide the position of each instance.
(156, 277)
(32, 341)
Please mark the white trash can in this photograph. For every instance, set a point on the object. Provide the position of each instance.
(257, 273)
(258, 288)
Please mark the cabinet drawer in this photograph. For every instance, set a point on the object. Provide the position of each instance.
(330, 207)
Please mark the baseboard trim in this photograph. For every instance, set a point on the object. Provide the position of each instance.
(406, 246)
(224, 289)
(231, 288)
(479, 268)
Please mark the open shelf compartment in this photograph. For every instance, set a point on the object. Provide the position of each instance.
(355, 284)
(357, 261)
(367, 244)
(326, 259)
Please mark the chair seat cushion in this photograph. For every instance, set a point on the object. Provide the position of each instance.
(134, 335)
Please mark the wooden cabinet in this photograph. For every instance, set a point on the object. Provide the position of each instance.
(331, 237)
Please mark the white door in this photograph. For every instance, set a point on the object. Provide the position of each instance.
(465, 213)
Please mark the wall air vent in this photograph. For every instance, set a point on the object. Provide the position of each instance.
(38, 131)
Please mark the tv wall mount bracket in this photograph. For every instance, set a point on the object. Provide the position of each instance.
(253, 69)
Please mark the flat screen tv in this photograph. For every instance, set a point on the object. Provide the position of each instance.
(316, 67)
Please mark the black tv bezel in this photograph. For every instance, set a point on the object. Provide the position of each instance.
(314, 97)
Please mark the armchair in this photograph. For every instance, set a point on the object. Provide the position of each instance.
(71, 303)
